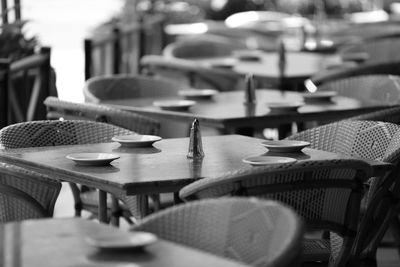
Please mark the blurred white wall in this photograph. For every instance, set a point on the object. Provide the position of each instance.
(63, 25)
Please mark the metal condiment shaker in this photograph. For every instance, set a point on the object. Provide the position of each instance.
(250, 91)
(195, 143)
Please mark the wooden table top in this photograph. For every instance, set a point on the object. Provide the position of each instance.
(61, 242)
(161, 168)
(299, 65)
(226, 110)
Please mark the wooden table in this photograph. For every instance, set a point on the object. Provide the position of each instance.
(163, 168)
(61, 242)
(227, 112)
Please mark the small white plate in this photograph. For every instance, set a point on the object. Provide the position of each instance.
(136, 140)
(266, 160)
(132, 240)
(223, 65)
(198, 93)
(284, 106)
(319, 96)
(174, 105)
(287, 146)
(92, 159)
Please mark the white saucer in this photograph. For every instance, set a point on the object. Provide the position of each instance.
(136, 140)
(284, 106)
(174, 105)
(283, 146)
(198, 93)
(92, 159)
(267, 160)
(319, 96)
(131, 240)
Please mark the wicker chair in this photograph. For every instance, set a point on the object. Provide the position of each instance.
(192, 73)
(334, 74)
(324, 193)
(377, 89)
(378, 50)
(372, 140)
(57, 109)
(70, 132)
(202, 47)
(391, 115)
(259, 233)
(25, 194)
(128, 86)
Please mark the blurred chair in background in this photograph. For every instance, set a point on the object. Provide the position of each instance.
(191, 73)
(252, 231)
(59, 109)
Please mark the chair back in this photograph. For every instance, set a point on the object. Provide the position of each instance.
(59, 109)
(334, 74)
(53, 133)
(25, 194)
(378, 50)
(326, 193)
(25, 84)
(374, 89)
(121, 86)
(202, 47)
(191, 73)
(391, 115)
(252, 231)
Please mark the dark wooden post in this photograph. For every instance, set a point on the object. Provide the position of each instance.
(88, 46)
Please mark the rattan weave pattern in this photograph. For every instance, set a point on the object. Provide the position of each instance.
(34, 187)
(376, 89)
(322, 192)
(391, 115)
(67, 132)
(259, 233)
(57, 109)
(123, 86)
(366, 139)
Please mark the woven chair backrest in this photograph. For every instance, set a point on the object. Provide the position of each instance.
(326, 194)
(391, 115)
(26, 194)
(259, 233)
(53, 133)
(59, 109)
(128, 86)
(374, 89)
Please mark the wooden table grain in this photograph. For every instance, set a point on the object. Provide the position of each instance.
(61, 242)
(162, 168)
(227, 112)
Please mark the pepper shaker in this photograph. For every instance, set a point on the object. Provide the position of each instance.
(195, 143)
(250, 91)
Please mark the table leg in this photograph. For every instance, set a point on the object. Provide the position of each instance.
(115, 211)
(103, 206)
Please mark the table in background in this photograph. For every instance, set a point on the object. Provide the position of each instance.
(299, 67)
(162, 168)
(61, 242)
(227, 112)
